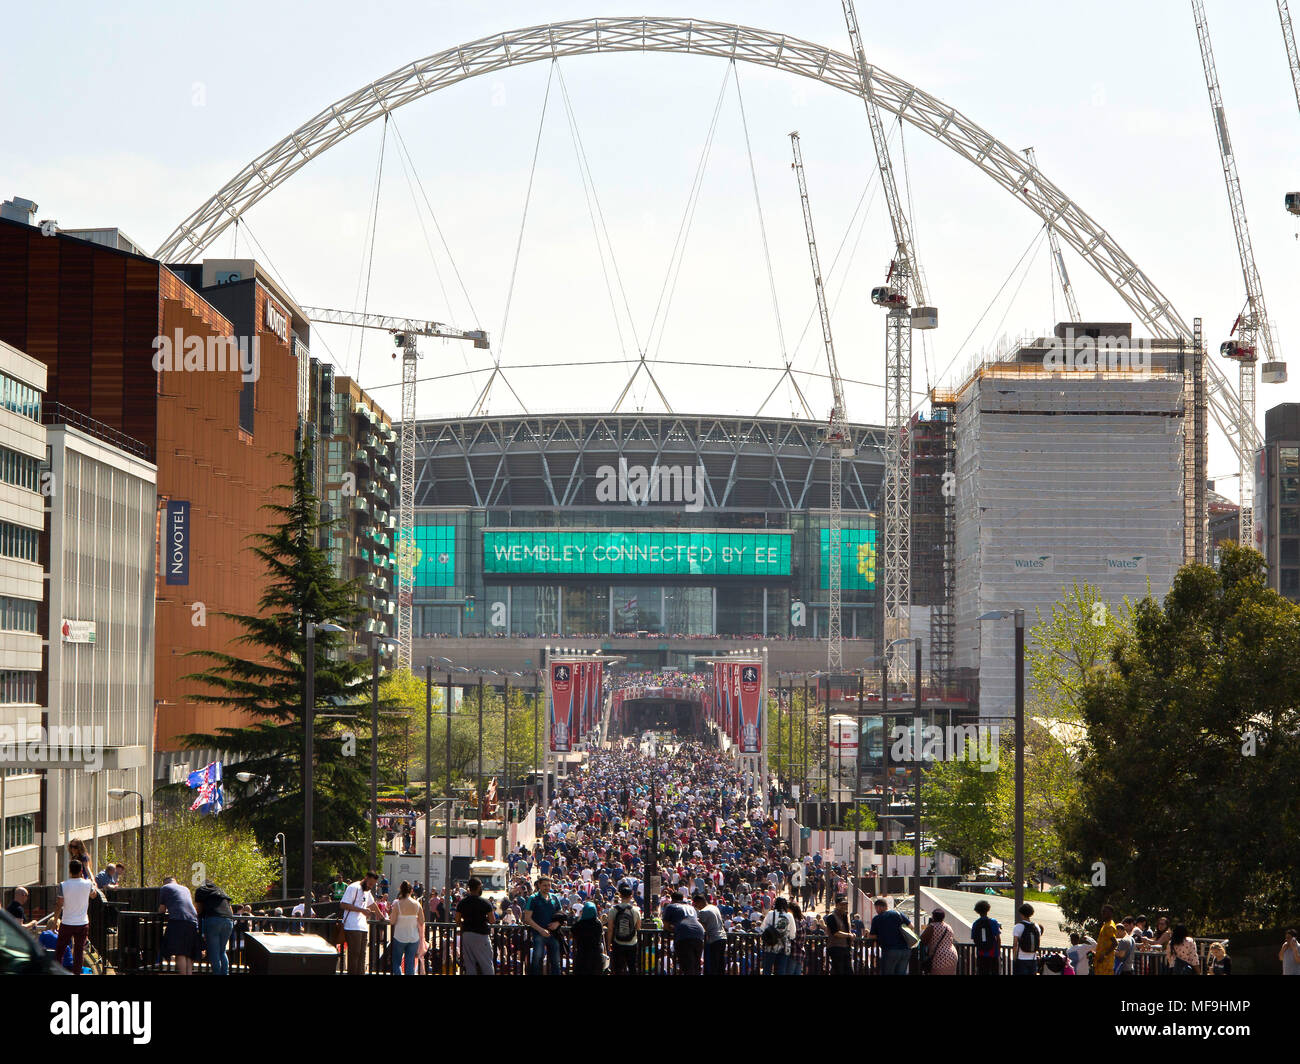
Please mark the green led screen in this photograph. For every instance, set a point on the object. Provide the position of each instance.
(437, 547)
(631, 552)
(857, 558)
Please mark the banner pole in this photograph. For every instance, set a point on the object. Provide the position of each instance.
(546, 741)
(762, 708)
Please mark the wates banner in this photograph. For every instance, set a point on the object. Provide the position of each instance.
(751, 709)
(597, 692)
(562, 685)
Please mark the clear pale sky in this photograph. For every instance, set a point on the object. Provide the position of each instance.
(134, 115)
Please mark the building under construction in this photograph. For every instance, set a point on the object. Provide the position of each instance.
(1079, 457)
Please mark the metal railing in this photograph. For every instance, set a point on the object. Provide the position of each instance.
(136, 949)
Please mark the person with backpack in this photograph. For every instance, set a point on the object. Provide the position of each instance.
(1080, 952)
(777, 932)
(715, 934)
(622, 932)
(986, 934)
(1028, 936)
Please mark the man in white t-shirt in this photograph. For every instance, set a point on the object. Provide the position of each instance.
(73, 911)
(358, 905)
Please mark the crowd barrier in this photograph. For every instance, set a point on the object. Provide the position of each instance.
(139, 938)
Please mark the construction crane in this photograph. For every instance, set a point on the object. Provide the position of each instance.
(903, 296)
(1293, 59)
(1251, 329)
(404, 332)
(1067, 289)
(837, 434)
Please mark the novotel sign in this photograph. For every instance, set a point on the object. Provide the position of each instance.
(176, 542)
(277, 321)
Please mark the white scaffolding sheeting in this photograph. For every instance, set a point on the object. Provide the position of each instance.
(1061, 477)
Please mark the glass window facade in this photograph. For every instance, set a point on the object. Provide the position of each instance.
(18, 615)
(550, 573)
(20, 398)
(19, 831)
(20, 470)
(18, 542)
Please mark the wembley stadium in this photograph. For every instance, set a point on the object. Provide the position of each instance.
(665, 537)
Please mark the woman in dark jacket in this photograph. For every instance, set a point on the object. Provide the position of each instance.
(588, 943)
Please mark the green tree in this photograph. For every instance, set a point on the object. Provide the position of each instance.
(194, 848)
(266, 685)
(964, 808)
(1189, 799)
(859, 819)
(1064, 650)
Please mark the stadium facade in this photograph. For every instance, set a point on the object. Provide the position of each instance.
(669, 531)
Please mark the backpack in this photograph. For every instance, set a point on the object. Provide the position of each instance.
(624, 925)
(981, 933)
(1029, 937)
(774, 933)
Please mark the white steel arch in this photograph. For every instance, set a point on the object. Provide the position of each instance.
(950, 127)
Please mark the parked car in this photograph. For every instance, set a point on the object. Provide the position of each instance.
(20, 954)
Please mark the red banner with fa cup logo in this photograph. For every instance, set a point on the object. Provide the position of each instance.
(562, 684)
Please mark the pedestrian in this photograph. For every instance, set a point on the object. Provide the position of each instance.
(217, 921)
(622, 932)
(1181, 952)
(777, 933)
(986, 934)
(181, 932)
(1217, 961)
(715, 934)
(72, 910)
(940, 948)
(1028, 937)
(839, 939)
(688, 934)
(17, 907)
(887, 932)
(1080, 952)
(358, 906)
(542, 913)
(474, 917)
(1289, 954)
(1126, 948)
(587, 935)
(797, 947)
(406, 919)
(1103, 958)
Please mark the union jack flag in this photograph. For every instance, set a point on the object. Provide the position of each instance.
(208, 781)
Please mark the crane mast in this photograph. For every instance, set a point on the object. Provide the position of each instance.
(1251, 328)
(903, 295)
(404, 331)
(1293, 60)
(837, 435)
(1054, 241)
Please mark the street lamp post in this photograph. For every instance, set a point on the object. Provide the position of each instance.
(428, 769)
(374, 747)
(916, 802)
(1019, 616)
(120, 793)
(308, 755)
